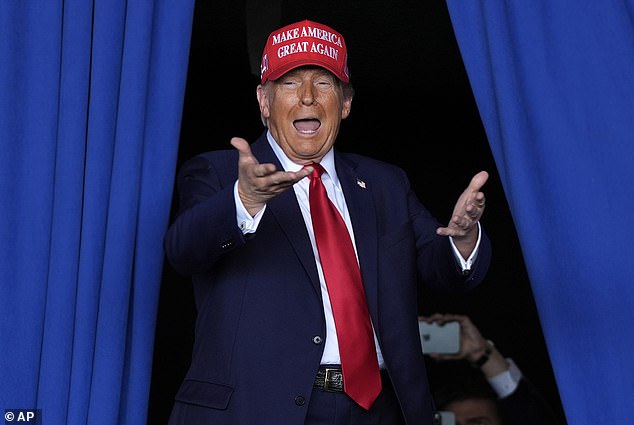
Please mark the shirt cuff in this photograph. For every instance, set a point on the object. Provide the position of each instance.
(506, 382)
(466, 264)
(246, 223)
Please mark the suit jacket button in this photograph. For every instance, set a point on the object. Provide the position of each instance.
(317, 339)
(300, 400)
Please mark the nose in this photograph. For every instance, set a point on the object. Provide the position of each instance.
(307, 95)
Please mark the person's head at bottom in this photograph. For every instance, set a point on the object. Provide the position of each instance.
(470, 398)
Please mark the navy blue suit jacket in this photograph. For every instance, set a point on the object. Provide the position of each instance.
(260, 321)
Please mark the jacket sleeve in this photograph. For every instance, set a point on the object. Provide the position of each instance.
(205, 226)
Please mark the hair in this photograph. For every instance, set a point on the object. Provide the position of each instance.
(457, 381)
(467, 388)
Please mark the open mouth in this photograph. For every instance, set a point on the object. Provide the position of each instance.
(307, 125)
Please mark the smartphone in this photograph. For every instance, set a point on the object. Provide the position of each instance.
(447, 418)
(437, 338)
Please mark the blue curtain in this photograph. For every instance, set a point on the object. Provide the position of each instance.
(91, 94)
(554, 84)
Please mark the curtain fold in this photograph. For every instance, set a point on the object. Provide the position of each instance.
(91, 97)
(554, 84)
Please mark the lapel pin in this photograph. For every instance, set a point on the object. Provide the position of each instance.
(361, 183)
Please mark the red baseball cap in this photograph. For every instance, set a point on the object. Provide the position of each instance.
(304, 43)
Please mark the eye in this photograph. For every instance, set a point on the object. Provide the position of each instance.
(289, 82)
(323, 83)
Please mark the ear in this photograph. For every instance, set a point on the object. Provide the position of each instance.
(345, 108)
(263, 101)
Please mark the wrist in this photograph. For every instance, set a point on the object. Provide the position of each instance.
(484, 355)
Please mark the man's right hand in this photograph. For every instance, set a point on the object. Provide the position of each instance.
(258, 183)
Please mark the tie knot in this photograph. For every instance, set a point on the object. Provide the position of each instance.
(318, 170)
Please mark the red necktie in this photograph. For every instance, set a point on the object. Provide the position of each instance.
(361, 376)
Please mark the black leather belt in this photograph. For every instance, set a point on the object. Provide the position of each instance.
(331, 379)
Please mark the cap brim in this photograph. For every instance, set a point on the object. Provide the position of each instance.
(274, 75)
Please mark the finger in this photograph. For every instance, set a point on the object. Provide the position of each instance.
(436, 317)
(265, 170)
(291, 177)
(244, 152)
(444, 357)
(448, 231)
(449, 317)
(247, 158)
(478, 181)
(304, 172)
(241, 145)
(461, 222)
(480, 200)
(444, 231)
(284, 179)
(474, 211)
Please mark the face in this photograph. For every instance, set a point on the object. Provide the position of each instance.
(304, 109)
(475, 412)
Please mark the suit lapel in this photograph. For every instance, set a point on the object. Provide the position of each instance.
(286, 212)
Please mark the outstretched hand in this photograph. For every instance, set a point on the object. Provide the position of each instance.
(466, 214)
(258, 183)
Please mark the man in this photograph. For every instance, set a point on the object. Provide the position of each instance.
(479, 385)
(272, 332)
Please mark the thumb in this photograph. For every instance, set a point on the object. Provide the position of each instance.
(244, 150)
(478, 181)
(241, 145)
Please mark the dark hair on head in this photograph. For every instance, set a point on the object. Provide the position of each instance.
(461, 382)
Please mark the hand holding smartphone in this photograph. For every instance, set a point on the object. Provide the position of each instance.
(437, 338)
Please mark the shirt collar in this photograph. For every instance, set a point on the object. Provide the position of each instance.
(328, 161)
